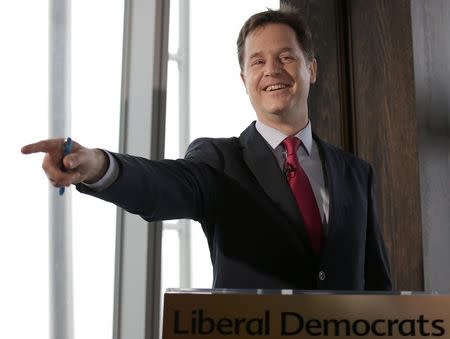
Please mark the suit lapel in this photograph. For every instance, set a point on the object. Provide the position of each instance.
(260, 159)
(333, 168)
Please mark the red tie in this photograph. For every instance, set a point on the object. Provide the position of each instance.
(304, 195)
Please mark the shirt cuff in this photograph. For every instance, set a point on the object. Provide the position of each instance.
(108, 178)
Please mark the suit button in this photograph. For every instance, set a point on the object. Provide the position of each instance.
(322, 275)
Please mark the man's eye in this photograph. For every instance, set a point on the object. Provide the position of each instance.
(286, 58)
(257, 62)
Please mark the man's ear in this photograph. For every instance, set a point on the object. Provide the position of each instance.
(243, 80)
(312, 71)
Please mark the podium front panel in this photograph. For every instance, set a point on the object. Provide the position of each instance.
(240, 314)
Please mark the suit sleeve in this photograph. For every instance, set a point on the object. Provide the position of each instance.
(377, 272)
(161, 189)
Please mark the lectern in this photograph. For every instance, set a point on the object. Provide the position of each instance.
(275, 314)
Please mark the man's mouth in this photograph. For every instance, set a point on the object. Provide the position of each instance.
(275, 87)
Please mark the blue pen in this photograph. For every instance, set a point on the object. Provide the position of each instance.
(67, 150)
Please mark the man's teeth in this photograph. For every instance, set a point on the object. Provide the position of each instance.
(275, 87)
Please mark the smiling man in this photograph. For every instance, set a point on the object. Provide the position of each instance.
(277, 75)
(281, 209)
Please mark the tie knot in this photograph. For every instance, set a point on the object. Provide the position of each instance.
(291, 144)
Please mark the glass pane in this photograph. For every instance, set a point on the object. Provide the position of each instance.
(24, 297)
(170, 268)
(96, 88)
(174, 26)
(171, 146)
(170, 261)
(170, 272)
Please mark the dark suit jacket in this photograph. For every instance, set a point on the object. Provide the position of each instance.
(256, 236)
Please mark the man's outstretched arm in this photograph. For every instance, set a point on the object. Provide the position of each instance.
(156, 190)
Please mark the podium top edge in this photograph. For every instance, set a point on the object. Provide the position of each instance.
(288, 292)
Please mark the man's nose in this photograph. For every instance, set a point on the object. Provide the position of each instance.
(273, 67)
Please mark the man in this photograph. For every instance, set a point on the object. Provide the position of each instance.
(280, 208)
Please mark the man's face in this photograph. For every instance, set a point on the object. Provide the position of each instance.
(277, 76)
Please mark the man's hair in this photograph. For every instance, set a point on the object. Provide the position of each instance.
(287, 15)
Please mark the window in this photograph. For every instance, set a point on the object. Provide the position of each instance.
(96, 54)
(205, 98)
(24, 208)
(96, 86)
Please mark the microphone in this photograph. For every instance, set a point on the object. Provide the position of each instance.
(289, 171)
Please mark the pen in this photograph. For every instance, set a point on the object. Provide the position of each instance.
(67, 150)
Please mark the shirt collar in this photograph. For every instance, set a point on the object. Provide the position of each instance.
(274, 137)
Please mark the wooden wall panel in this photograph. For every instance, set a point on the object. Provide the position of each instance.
(364, 102)
(385, 126)
(325, 104)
